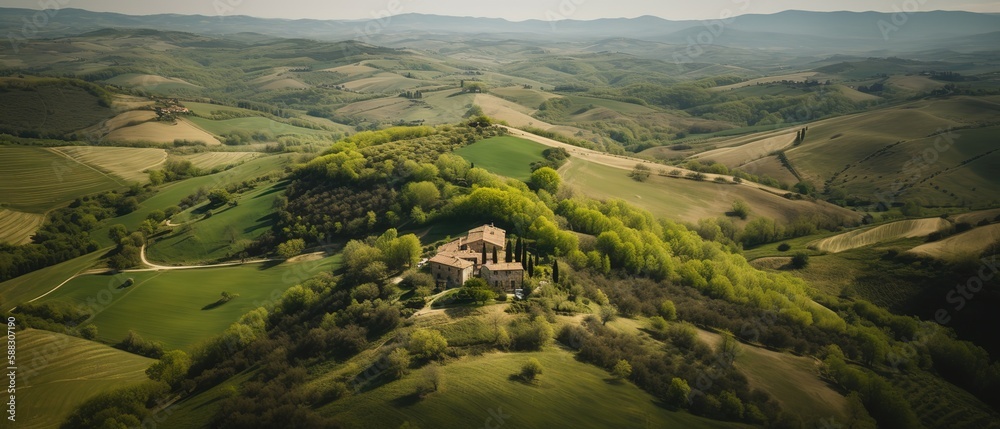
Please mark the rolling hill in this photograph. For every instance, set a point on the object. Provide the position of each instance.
(61, 372)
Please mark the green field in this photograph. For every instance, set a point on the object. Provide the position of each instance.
(526, 97)
(683, 199)
(172, 193)
(870, 153)
(57, 373)
(569, 393)
(169, 306)
(222, 235)
(250, 125)
(506, 156)
(206, 109)
(32, 285)
(36, 180)
(47, 106)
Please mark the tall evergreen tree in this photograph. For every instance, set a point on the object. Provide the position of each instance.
(484, 253)
(494, 255)
(555, 271)
(528, 267)
(518, 250)
(509, 256)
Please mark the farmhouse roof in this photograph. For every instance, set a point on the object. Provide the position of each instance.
(451, 261)
(489, 234)
(505, 266)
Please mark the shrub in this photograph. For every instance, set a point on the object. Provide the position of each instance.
(658, 323)
(640, 173)
(531, 369)
(88, 332)
(134, 343)
(530, 334)
(399, 362)
(622, 370)
(427, 343)
(677, 393)
(800, 260)
(432, 380)
(741, 209)
(784, 247)
(668, 310)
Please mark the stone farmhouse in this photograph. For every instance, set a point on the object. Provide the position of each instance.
(462, 259)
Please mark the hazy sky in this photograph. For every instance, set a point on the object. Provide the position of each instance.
(510, 9)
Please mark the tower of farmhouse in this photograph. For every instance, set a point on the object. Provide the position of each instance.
(462, 259)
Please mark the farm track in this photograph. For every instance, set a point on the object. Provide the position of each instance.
(151, 267)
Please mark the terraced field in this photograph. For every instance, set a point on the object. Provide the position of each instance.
(737, 156)
(163, 132)
(251, 124)
(35, 180)
(385, 83)
(960, 245)
(59, 372)
(17, 227)
(880, 234)
(688, 200)
(152, 82)
(125, 162)
(210, 160)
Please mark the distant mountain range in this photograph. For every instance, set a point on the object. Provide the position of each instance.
(797, 32)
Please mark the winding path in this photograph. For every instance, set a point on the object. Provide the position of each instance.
(151, 267)
(156, 267)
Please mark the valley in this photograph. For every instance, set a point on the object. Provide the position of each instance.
(279, 223)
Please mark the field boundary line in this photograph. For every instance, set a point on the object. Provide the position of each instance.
(60, 153)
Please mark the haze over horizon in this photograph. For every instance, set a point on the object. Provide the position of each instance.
(515, 10)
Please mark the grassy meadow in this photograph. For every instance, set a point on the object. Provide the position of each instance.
(506, 156)
(171, 194)
(220, 236)
(32, 285)
(175, 306)
(569, 393)
(58, 372)
(36, 180)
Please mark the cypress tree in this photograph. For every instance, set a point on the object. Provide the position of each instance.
(484, 254)
(509, 257)
(494, 255)
(518, 250)
(555, 271)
